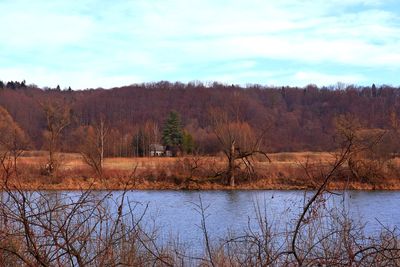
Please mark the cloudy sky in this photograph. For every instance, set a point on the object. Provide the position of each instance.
(90, 43)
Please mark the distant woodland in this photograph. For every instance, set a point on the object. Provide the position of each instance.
(293, 119)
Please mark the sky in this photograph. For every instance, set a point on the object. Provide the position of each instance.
(90, 44)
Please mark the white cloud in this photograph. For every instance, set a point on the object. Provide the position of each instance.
(100, 41)
(43, 29)
(301, 32)
(306, 77)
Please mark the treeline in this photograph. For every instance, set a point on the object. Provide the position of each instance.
(293, 119)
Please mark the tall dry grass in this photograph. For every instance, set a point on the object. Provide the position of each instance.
(51, 229)
(286, 171)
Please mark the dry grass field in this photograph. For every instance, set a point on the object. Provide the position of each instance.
(285, 171)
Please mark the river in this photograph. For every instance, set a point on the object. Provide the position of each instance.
(176, 218)
(175, 214)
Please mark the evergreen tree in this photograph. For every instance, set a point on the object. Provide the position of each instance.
(172, 135)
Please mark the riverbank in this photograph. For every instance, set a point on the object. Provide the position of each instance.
(286, 171)
(72, 184)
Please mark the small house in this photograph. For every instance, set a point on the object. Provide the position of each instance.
(157, 150)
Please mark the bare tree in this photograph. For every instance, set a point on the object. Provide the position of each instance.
(92, 141)
(319, 236)
(96, 229)
(152, 130)
(238, 141)
(58, 117)
(395, 130)
(13, 140)
(74, 229)
(101, 131)
(366, 162)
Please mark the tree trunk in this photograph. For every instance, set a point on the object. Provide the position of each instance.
(231, 164)
(353, 169)
(51, 163)
(102, 136)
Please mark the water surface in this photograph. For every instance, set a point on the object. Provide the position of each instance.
(174, 212)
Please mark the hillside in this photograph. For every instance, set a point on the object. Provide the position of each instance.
(294, 119)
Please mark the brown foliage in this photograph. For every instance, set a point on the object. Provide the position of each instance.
(301, 119)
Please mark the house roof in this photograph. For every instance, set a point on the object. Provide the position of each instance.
(157, 147)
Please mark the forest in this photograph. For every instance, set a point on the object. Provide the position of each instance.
(40, 228)
(290, 118)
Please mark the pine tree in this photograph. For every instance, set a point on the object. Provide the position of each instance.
(172, 136)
